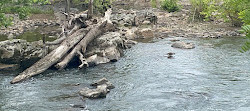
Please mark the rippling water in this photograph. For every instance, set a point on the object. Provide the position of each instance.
(202, 79)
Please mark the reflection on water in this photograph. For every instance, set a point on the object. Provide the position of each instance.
(214, 78)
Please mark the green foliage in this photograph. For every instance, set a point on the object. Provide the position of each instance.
(230, 10)
(245, 16)
(153, 3)
(21, 7)
(5, 21)
(246, 46)
(23, 12)
(100, 6)
(170, 5)
(204, 9)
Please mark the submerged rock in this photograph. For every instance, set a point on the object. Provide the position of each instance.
(103, 81)
(169, 55)
(100, 92)
(103, 87)
(183, 45)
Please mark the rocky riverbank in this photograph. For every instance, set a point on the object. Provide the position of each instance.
(21, 26)
(132, 24)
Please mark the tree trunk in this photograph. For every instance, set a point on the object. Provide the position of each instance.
(67, 8)
(90, 9)
(91, 35)
(102, 27)
(75, 40)
(52, 58)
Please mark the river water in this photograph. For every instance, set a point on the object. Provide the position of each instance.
(214, 76)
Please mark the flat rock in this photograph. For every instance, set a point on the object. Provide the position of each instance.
(183, 45)
(103, 87)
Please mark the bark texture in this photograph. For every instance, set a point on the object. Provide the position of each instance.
(52, 58)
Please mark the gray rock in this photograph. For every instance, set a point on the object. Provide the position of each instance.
(145, 33)
(100, 92)
(11, 36)
(183, 45)
(17, 50)
(103, 87)
(105, 48)
(103, 81)
(95, 60)
(132, 17)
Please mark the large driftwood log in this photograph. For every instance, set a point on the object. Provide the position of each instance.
(102, 27)
(52, 58)
(75, 40)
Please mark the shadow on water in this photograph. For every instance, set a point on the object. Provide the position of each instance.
(35, 35)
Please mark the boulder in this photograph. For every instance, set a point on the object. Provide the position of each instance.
(100, 92)
(95, 60)
(105, 48)
(132, 17)
(103, 87)
(183, 45)
(103, 81)
(129, 33)
(17, 50)
(145, 33)
(129, 43)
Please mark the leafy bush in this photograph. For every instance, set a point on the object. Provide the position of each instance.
(5, 21)
(153, 3)
(170, 5)
(21, 7)
(100, 6)
(245, 16)
(203, 9)
(246, 46)
(230, 10)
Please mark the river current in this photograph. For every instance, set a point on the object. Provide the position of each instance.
(214, 76)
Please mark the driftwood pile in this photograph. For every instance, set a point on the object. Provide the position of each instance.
(76, 34)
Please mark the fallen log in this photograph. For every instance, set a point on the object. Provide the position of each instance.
(63, 49)
(102, 27)
(52, 58)
(94, 32)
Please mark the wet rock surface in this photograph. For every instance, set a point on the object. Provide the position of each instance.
(103, 87)
(183, 45)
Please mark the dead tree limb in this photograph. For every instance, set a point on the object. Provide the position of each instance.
(83, 60)
(52, 58)
(102, 27)
(90, 9)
